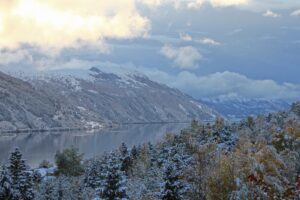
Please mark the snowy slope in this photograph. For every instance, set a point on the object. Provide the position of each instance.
(92, 99)
(125, 98)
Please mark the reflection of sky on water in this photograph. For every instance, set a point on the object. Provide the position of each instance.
(38, 147)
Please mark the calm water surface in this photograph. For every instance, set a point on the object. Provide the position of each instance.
(42, 146)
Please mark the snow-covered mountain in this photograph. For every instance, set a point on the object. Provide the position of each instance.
(239, 108)
(92, 100)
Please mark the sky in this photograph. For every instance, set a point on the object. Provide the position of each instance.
(205, 48)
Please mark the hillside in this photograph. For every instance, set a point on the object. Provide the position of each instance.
(97, 99)
(23, 106)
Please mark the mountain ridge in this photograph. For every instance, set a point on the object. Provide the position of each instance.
(100, 98)
(236, 109)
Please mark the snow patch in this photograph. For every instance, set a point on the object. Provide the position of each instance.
(93, 125)
(183, 109)
(81, 108)
(93, 91)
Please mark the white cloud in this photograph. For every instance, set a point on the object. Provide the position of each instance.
(206, 40)
(62, 23)
(209, 41)
(53, 64)
(296, 13)
(224, 3)
(270, 13)
(215, 85)
(262, 5)
(183, 57)
(194, 4)
(15, 56)
(224, 83)
(185, 37)
(254, 5)
(151, 3)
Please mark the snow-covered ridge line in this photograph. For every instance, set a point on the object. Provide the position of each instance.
(239, 108)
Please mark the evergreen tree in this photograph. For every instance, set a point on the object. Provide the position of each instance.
(26, 186)
(194, 124)
(6, 190)
(37, 177)
(123, 149)
(296, 108)
(153, 153)
(16, 166)
(113, 186)
(93, 173)
(126, 160)
(21, 178)
(134, 152)
(172, 188)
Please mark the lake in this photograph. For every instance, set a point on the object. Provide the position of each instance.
(43, 146)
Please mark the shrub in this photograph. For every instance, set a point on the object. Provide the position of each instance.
(68, 162)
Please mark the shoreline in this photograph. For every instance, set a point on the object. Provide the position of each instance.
(76, 129)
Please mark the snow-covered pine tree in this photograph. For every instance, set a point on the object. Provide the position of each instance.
(6, 190)
(16, 166)
(26, 186)
(93, 173)
(176, 153)
(113, 187)
(134, 152)
(36, 177)
(21, 178)
(172, 188)
(123, 149)
(126, 160)
(153, 154)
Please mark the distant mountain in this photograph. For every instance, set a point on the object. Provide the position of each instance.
(238, 108)
(93, 100)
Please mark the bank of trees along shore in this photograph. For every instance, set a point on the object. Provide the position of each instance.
(257, 158)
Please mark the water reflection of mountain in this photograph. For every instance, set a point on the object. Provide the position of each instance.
(37, 147)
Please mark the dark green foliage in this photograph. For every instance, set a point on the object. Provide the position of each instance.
(45, 164)
(68, 162)
(250, 122)
(194, 124)
(134, 152)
